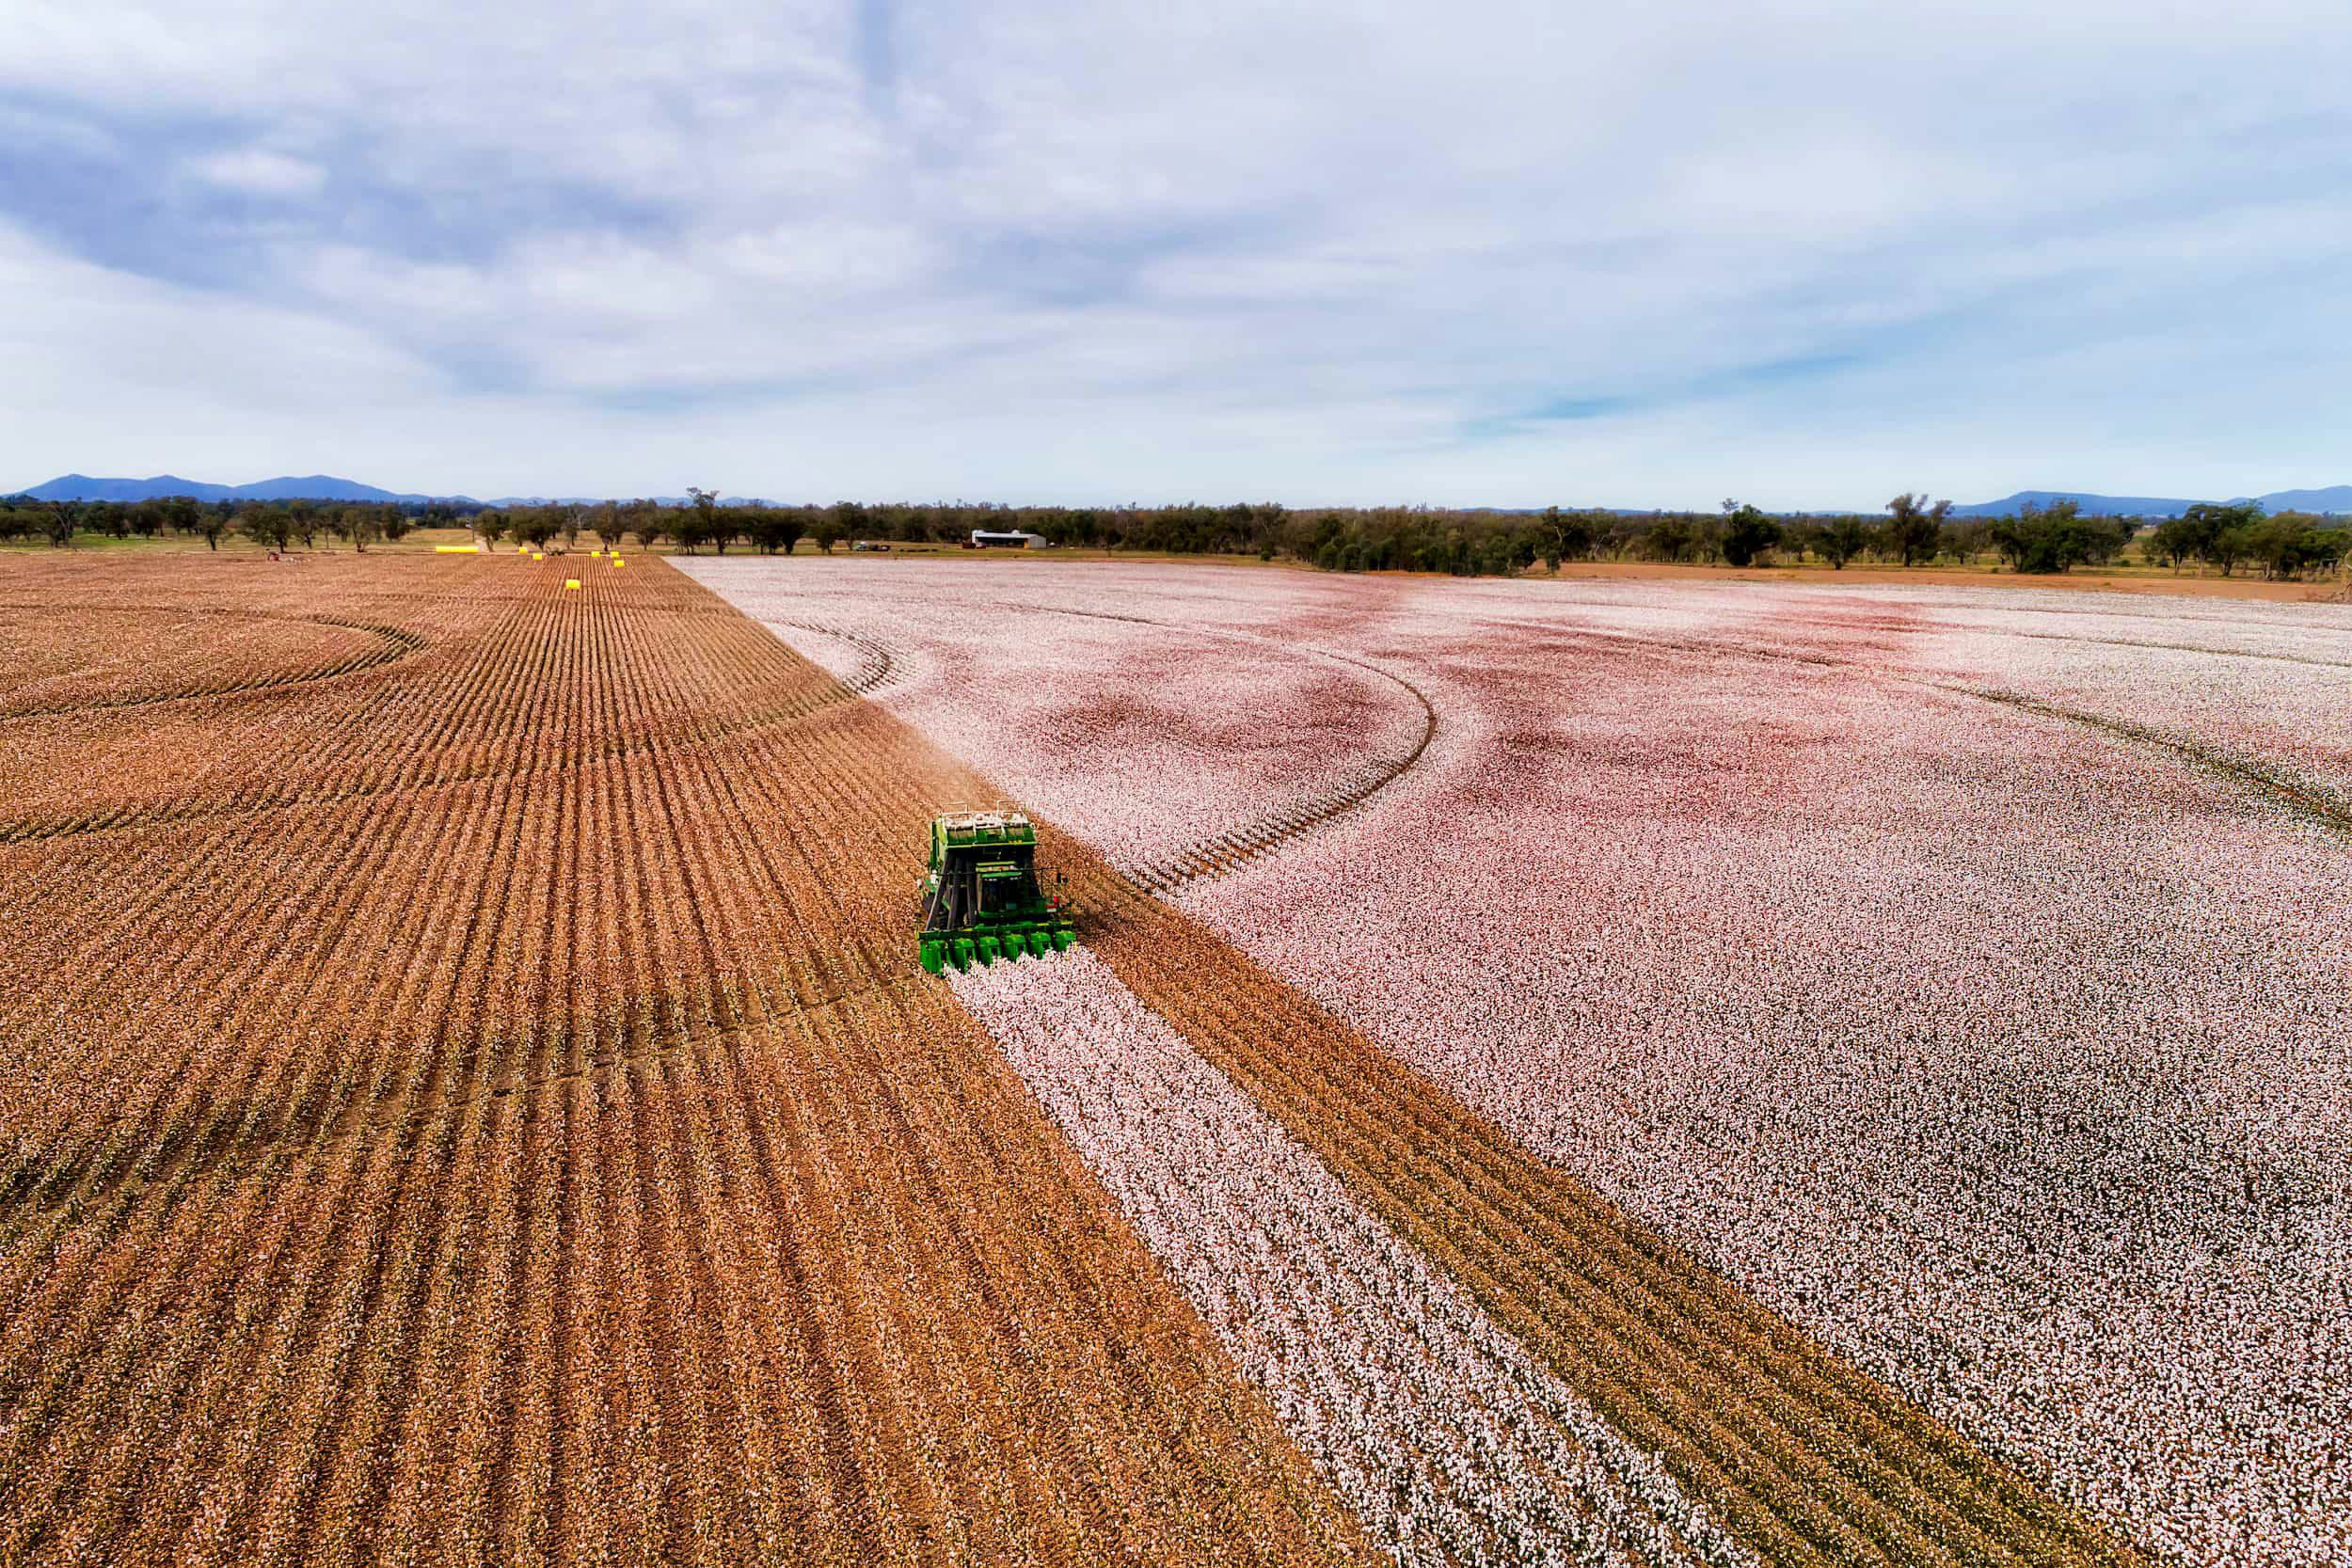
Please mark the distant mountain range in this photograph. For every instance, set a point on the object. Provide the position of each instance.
(322, 487)
(317, 487)
(2335, 499)
(326, 487)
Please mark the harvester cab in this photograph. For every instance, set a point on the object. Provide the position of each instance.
(981, 898)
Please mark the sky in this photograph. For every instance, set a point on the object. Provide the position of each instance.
(1806, 253)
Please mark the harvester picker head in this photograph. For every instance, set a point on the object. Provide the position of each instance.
(981, 898)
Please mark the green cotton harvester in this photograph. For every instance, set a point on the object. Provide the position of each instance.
(981, 898)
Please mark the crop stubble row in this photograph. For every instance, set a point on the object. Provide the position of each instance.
(551, 1161)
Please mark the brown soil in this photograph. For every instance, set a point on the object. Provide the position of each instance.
(489, 1110)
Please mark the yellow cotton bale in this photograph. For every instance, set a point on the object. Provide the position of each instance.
(457, 550)
(571, 582)
(536, 555)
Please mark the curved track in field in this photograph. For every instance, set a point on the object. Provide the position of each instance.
(613, 750)
(2315, 802)
(2149, 643)
(392, 643)
(1229, 852)
(879, 669)
(405, 777)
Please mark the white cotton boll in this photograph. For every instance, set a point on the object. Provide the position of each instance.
(1391, 1380)
(2006, 1051)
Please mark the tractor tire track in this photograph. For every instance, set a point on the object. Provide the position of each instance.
(393, 643)
(2307, 798)
(2315, 803)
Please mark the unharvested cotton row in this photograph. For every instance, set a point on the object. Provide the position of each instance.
(1449, 1440)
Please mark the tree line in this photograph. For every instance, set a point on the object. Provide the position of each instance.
(1912, 530)
(279, 524)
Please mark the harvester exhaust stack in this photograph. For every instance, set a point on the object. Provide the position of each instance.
(981, 898)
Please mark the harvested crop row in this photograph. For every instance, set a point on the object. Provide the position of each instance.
(110, 656)
(533, 1156)
(1454, 1445)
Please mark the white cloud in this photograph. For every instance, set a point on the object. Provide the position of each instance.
(1311, 250)
(260, 172)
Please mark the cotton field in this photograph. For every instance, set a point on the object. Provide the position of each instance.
(1443, 1433)
(1553, 1072)
(1963, 973)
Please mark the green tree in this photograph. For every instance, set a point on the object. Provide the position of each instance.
(1671, 537)
(641, 518)
(703, 504)
(1839, 540)
(2325, 549)
(61, 521)
(2292, 543)
(267, 526)
(1915, 526)
(2223, 536)
(1964, 539)
(2097, 540)
(354, 525)
(772, 531)
(1552, 546)
(2228, 547)
(2057, 537)
(1747, 533)
(2181, 538)
(1564, 536)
